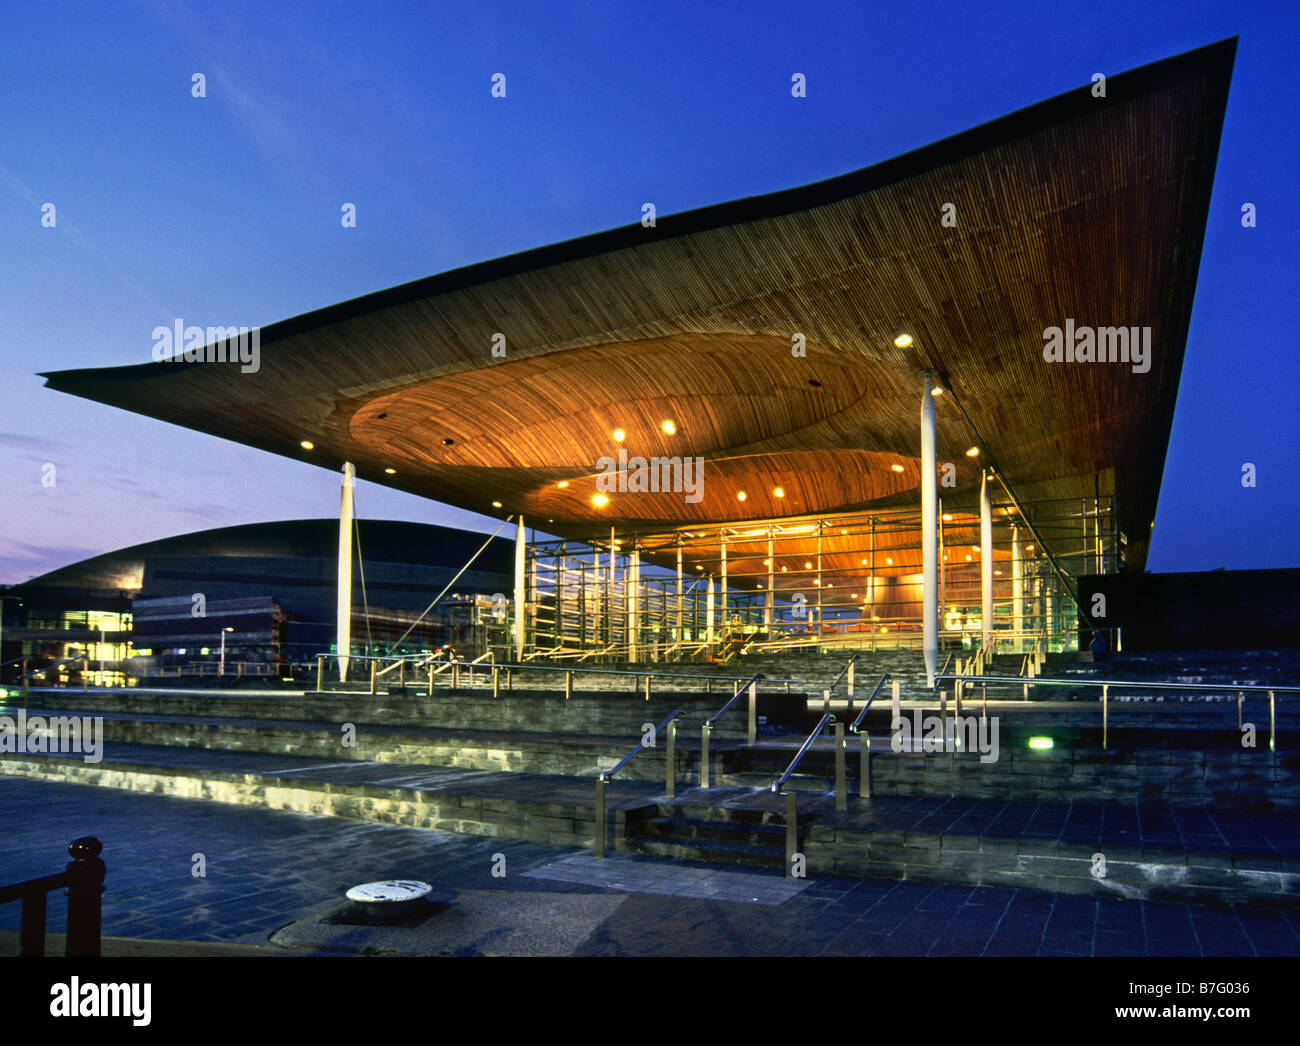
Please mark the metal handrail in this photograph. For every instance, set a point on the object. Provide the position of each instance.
(843, 672)
(946, 663)
(853, 727)
(57, 664)
(734, 698)
(624, 672)
(605, 775)
(1019, 681)
(84, 879)
(779, 783)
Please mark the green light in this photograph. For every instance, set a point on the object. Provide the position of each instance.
(1040, 742)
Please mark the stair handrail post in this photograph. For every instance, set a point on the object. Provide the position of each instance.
(864, 768)
(705, 731)
(841, 785)
(85, 872)
(791, 831)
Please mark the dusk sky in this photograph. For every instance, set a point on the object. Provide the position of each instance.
(225, 209)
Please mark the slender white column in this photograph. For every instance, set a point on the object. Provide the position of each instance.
(771, 597)
(344, 636)
(521, 548)
(986, 556)
(1017, 590)
(680, 637)
(634, 605)
(725, 609)
(929, 535)
(708, 613)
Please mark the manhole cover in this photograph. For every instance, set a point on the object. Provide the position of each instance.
(390, 896)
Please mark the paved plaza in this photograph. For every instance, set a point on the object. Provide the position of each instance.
(266, 869)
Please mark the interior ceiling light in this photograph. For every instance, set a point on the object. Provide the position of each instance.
(562, 484)
(947, 517)
(448, 442)
(496, 504)
(902, 339)
(888, 562)
(391, 472)
(669, 428)
(778, 492)
(897, 468)
(307, 445)
(599, 500)
(974, 452)
(807, 566)
(619, 435)
(741, 495)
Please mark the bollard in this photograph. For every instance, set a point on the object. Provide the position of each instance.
(791, 832)
(568, 685)
(496, 682)
(826, 701)
(894, 699)
(599, 844)
(704, 754)
(670, 788)
(751, 729)
(850, 684)
(864, 767)
(841, 785)
(374, 675)
(320, 672)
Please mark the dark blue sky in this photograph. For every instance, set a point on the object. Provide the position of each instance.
(226, 209)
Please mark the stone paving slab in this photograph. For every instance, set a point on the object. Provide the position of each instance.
(671, 879)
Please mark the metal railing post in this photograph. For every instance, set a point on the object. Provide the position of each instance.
(670, 754)
(401, 674)
(751, 729)
(320, 673)
(841, 785)
(85, 674)
(430, 678)
(1241, 697)
(647, 687)
(31, 936)
(455, 675)
(851, 666)
(374, 676)
(956, 698)
(864, 766)
(791, 832)
(568, 685)
(26, 682)
(1272, 721)
(704, 755)
(599, 844)
(826, 701)
(1105, 713)
(496, 681)
(85, 886)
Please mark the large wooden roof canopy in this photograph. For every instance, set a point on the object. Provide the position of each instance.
(1079, 208)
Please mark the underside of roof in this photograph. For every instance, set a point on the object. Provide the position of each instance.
(1079, 210)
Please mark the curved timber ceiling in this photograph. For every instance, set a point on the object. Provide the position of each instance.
(1082, 209)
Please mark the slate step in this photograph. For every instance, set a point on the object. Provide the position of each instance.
(711, 850)
(684, 828)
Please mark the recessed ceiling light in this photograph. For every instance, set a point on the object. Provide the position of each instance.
(600, 501)
(391, 472)
(778, 492)
(784, 569)
(864, 562)
(562, 484)
(902, 339)
(888, 562)
(947, 517)
(937, 391)
(496, 504)
(619, 435)
(307, 445)
(968, 559)
(897, 468)
(807, 566)
(669, 428)
(741, 495)
(973, 452)
(448, 442)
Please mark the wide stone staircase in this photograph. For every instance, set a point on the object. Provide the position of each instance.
(1173, 803)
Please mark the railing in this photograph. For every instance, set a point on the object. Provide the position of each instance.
(84, 880)
(864, 740)
(751, 730)
(791, 799)
(669, 724)
(847, 670)
(1106, 684)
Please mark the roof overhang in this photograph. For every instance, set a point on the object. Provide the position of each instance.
(1080, 209)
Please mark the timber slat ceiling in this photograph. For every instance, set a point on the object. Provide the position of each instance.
(1081, 208)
